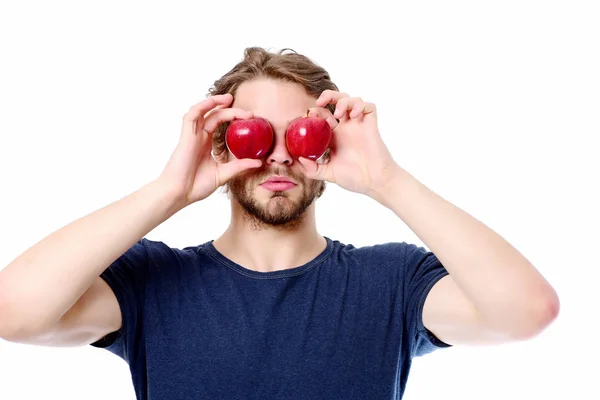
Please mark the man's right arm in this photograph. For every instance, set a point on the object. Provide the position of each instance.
(53, 295)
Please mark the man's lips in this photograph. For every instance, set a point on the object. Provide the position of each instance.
(278, 178)
(278, 184)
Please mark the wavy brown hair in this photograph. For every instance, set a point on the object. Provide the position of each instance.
(286, 64)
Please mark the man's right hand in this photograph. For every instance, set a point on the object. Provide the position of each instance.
(192, 173)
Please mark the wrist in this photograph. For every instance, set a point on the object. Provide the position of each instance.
(392, 187)
(168, 199)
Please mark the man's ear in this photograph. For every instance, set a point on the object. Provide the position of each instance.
(212, 154)
(221, 158)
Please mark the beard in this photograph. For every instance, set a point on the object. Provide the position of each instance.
(281, 211)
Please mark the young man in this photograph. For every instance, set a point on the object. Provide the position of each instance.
(271, 309)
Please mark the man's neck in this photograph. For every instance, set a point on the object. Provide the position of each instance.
(265, 249)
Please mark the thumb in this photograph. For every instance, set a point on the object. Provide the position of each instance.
(314, 170)
(234, 167)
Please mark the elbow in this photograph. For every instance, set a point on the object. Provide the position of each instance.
(541, 312)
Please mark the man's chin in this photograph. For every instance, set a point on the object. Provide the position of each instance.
(278, 211)
(281, 217)
(278, 206)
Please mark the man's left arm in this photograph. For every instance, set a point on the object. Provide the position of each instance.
(492, 294)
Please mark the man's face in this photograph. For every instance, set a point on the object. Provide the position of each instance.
(279, 103)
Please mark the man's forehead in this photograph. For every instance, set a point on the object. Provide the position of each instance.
(279, 102)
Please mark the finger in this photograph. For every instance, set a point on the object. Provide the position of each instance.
(314, 170)
(369, 108)
(355, 106)
(217, 107)
(219, 116)
(230, 169)
(330, 96)
(341, 109)
(323, 113)
(360, 109)
(199, 109)
(357, 109)
(205, 106)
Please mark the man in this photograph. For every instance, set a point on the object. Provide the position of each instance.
(271, 309)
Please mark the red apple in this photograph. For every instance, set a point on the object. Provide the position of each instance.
(308, 137)
(249, 138)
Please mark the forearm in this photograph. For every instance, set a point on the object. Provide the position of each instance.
(43, 283)
(506, 289)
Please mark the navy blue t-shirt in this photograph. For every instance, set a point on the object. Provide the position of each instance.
(345, 325)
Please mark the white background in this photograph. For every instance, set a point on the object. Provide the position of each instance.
(493, 105)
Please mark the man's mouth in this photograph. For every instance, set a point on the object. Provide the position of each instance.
(279, 178)
(278, 184)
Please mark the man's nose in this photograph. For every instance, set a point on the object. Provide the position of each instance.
(279, 153)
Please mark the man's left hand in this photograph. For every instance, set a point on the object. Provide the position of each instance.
(359, 160)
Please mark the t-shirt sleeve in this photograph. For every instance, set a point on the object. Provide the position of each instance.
(422, 271)
(126, 276)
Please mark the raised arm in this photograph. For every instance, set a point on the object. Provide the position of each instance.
(52, 294)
